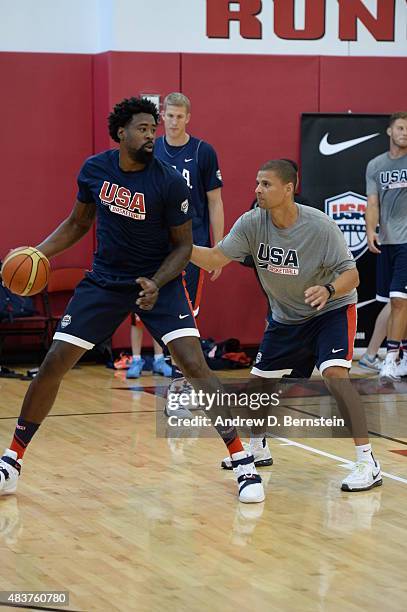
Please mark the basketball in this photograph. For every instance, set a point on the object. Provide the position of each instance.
(25, 271)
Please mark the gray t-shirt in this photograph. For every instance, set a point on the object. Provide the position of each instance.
(311, 252)
(387, 178)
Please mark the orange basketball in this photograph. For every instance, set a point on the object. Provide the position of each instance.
(25, 271)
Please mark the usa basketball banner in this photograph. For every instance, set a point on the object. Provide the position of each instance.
(335, 150)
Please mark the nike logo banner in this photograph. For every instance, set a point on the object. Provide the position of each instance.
(326, 148)
(335, 150)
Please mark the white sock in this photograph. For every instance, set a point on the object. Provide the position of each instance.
(392, 355)
(364, 453)
(136, 357)
(158, 357)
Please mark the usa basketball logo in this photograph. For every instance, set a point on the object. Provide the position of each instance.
(348, 211)
(66, 321)
(121, 201)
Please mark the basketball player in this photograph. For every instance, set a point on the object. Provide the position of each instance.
(310, 277)
(263, 454)
(197, 162)
(386, 189)
(249, 262)
(144, 233)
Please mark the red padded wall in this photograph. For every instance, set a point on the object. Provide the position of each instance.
(363, 84)
(120, 75)
(54, 110)
(46, 106)
(249, 108)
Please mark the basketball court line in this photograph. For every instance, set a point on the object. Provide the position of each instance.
(372, 433)
(346, 463)
(70, 414)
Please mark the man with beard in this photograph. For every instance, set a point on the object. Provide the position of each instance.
(386, 189)
(144, 235)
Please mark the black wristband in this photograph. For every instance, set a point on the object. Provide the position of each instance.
(331, 290)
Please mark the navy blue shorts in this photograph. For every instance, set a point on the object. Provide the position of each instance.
(193, 278)
(325, 340)
(391, 272)
(100, 303)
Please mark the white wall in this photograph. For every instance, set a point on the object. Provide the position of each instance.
(68, 26)
(93, 26)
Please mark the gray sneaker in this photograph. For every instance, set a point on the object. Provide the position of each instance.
(373, 364)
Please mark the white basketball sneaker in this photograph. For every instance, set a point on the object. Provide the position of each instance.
(249, 483)
(177, 397)
(257, 447)
(389, 369)
(402, 366)
(364, 476)
(10, 468)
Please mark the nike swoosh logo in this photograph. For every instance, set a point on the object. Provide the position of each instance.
(187, 160)
(361, 304)
(183, 316)
(376, 475)
(336, 350)
(326, 148)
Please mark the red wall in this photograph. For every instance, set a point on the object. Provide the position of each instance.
(363, 84)
(54, 110)
(119, 75)
(46, 110)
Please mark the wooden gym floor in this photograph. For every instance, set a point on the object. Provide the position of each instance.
(127, 521)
